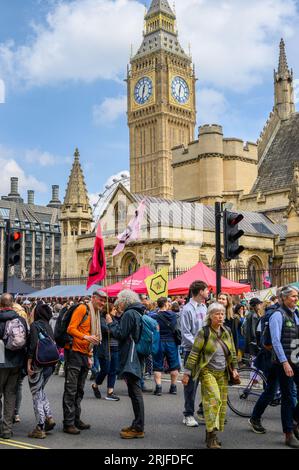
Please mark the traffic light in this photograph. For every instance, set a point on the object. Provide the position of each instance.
(232, 235)
(14, 247)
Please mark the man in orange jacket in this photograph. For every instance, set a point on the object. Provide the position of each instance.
(85, 329)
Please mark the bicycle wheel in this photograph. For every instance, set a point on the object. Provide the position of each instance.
(242, 398)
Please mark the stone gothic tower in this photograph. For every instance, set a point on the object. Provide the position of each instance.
(161, 103)
(284, 104)
(283, 84)
(76, 218)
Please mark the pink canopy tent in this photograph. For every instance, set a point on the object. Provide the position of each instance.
(134, 282)
(181, 284)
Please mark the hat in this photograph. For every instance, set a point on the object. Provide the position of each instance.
(100, 293)
(254, 302)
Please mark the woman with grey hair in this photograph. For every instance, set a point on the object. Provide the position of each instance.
(284, 330)
(127, 331)
(213, 352)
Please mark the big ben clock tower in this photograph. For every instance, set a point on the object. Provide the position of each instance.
(161, 103)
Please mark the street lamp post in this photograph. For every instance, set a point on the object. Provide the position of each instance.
(173, 254)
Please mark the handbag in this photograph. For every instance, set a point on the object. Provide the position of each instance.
(46, 353)
(232, 380)
(175, 330)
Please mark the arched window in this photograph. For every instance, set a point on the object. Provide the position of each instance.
(129, 264)
(120, 217)
(254, 272)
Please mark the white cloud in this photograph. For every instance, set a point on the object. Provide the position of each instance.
(41, 158)
(211, 106)
(235, 43)
(9, 167)
(2, 91)
(109, 110)
(80, 40)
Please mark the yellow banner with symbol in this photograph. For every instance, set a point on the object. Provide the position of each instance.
(157, 285)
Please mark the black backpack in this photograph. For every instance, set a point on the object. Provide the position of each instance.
(46, 353)
(60, 333)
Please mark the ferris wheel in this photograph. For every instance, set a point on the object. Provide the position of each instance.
(104, 197)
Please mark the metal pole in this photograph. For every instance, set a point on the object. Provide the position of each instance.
(218, 246)
(5, 272)
(174, 270)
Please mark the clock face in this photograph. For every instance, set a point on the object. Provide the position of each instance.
(180, 90)
(143, 90)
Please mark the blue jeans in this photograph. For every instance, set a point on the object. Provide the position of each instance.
(268, 394)
(289, 411)
(189, 392)
(108, 367)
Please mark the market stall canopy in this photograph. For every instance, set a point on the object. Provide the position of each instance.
(16, 286)
(134, 282)
(201, 272)
(65, 291)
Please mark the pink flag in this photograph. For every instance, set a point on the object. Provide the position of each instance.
(132, 231)
(266, 280)
(97, 269)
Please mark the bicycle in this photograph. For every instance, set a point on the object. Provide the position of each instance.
(242, 398)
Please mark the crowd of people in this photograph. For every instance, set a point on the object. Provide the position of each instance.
(204, 337)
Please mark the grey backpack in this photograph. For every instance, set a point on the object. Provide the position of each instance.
(15, 335)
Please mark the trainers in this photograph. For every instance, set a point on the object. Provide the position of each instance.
(256, 426)
(296, 431)
(190, 421)
(291, 441)
(112, 397)
(37, 433)
(158, 390)
(49, 424)
(132, 434)
(16, 419)
(173, 389)
(96, 391)
(71, 430)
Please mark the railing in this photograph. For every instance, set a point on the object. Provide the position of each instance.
(254, 277)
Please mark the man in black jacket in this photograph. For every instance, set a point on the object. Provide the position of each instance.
(11, 363)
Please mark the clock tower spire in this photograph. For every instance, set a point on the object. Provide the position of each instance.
(161, 102)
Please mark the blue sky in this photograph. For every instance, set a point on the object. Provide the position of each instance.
(63, 63)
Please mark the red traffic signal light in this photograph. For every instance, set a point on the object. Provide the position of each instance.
(14, 247)
(16, 236)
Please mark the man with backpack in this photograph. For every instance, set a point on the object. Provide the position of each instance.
(264, 363)
(84, 331)
(13, 339)
(284, 330)
(130, 332)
